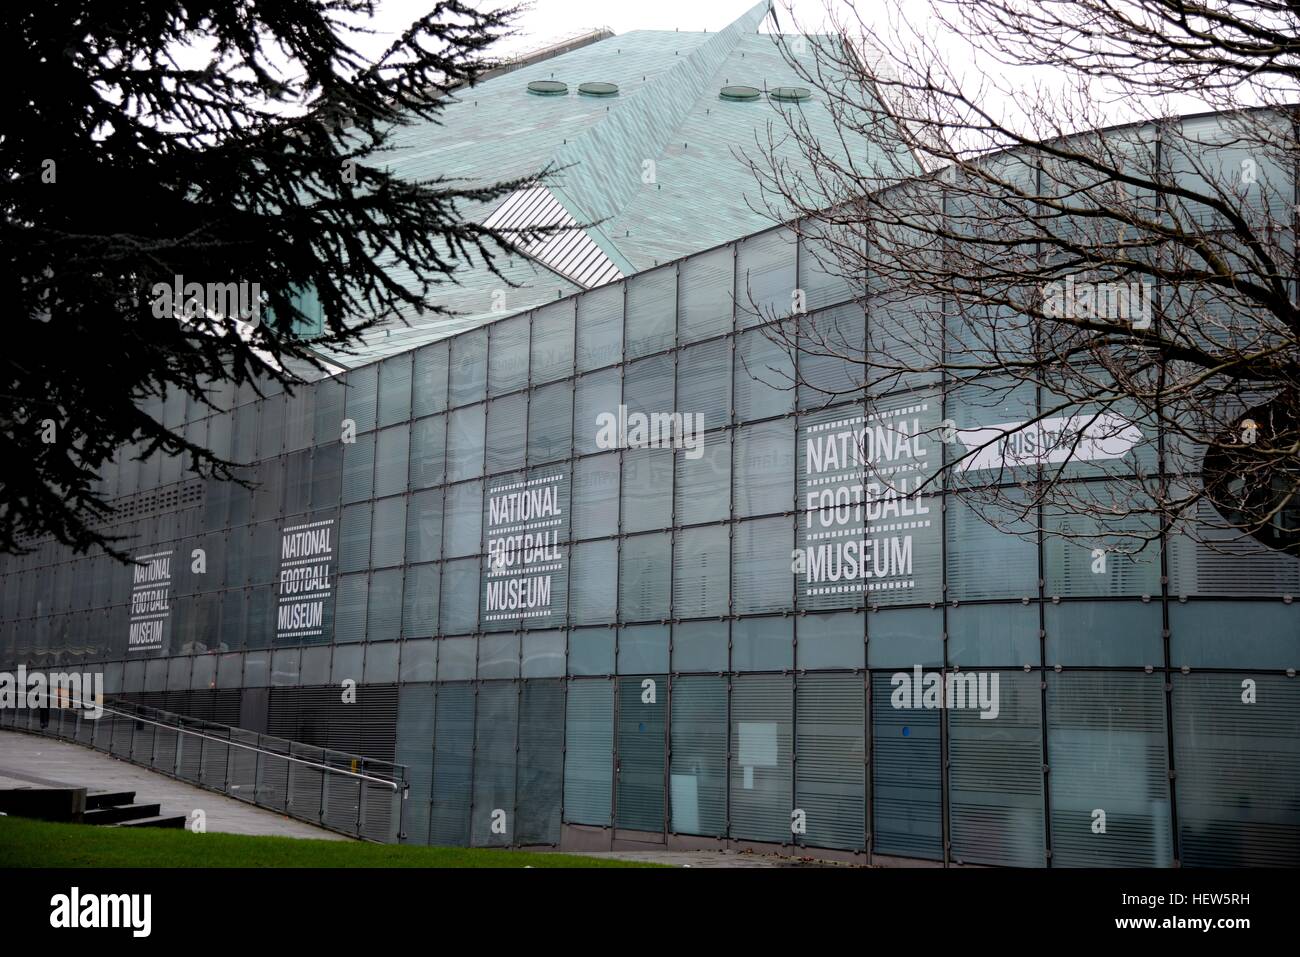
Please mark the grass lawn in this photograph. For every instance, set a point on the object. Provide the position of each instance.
(29, 843)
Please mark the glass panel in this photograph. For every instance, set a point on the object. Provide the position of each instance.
(550, 423)
(993, 635)
(995, 777)
(297, 482)
(698, 786)
(651, 311)
(495, 731)
(326, 475)
(761, 771)
(552, 346)
(460, 597)
(384, 613)
(428, 447)
(645, 568)
(508, 355)
(1086, 553)
(419, 659)
(706, 284)
(704, 383)
(463, 520)
(589, 752)
(543, 654)
(597, 394)
(429, 390)
(831, 772)
(424, 527)
(831, 263)
(1238, 765)
(600, 327)
(593, 589)
(765, 276)
(316, 665)
(831, 356)
(453, 768)
(456, 658)
(468, 374)
(271, 433)
(591, 651)
(507, 422)
(1106, 741)
(902, 637)
(595, 496)
(465, 433)
(388, 532)
(761, 557)
(329, 410)
(763, 476)
(647, 489)
(701, 572)
(1208, 634)
(831, 641)
(643, 649)
(359, 469)
(420, 603)
(1104, 633)
(703, 483)
(362, 395)
(903, 341)
(906, 807)
(498, 656)
(700, 646)
(415, 737)
(538, 792)
(354, 538)
(395, 390)
(641, 758)
(391, 460)
(350, 613)
(992, 562)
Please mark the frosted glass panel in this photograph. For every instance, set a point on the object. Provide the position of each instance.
(645, 567)
(651, 311)
(706, 282)
(600, 327)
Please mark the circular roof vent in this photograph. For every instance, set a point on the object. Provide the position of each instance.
(740, 93)
(789, 94)
(548, 87)
(598, 89)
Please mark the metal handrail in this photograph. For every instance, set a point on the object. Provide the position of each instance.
(131, 734)
(247, 747)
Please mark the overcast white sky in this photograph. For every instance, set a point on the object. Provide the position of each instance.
(547, 21)
(996, 86)
(553, 19)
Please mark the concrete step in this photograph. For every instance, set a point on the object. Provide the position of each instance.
(161, 820)
(48, 804)
(98, 799)
(123, 812)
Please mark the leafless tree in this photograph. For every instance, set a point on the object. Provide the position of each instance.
(1109, 309)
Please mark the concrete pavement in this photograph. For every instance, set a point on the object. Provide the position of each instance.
(27, 760)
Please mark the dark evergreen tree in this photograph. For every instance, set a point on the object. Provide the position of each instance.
(148, 144)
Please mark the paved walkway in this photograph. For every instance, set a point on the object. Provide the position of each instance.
(27, 760)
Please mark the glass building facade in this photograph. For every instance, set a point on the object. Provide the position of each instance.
(573, 635)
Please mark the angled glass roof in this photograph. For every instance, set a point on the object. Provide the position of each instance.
(654, 167)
